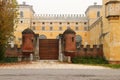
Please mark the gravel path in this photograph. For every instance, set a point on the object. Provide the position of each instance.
(48, 65)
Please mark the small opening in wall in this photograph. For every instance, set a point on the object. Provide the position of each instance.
(76, 23)
(21, 21)
(60, 23)
(68, 23)
(33, 22)
(72, 39)
(85, 23)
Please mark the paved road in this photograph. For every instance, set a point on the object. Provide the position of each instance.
(59, 74)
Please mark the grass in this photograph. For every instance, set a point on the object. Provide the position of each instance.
(114, 66)
(97, 61)
(89, 60)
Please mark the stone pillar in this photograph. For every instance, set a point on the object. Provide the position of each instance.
(31, 57)
(60, 50)
(37, 49)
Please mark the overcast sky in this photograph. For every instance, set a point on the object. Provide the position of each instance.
(60, 6)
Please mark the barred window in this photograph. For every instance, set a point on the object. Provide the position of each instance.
(43, 28)
(51, 28)
(76, 28)
(98, 14)
(33, 27)
(60, 28)
(85, 28)
(21, 14)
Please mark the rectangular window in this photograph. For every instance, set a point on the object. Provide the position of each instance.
(21, 14)
(98, 14)
(51, 28)
(85, 28)
(60, 28)
(72, 39)
(76, 28)
(43, 28)
(19, 39)
(68, 27)
(33, 28)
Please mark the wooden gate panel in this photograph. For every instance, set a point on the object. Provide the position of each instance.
(48, 49)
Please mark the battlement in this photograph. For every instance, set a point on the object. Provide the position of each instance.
(88, 51)
(91, 46)
(60, 17)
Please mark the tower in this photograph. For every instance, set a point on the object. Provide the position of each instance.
(93, 12)
(111, 28)
(25, 16)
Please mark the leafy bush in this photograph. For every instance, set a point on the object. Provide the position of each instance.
(9, 60)
(89, 60)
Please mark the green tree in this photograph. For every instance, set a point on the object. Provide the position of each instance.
(8, 16)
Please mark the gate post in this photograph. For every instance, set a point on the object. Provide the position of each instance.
(60, 48)
(37, 57)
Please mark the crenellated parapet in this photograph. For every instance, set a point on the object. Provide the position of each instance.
(79, 17)
(88, 51)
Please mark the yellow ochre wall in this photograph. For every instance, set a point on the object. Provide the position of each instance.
(111, 26)
(52, 34)
(95, 32)
(29, 20)
(23, 22)
(101, 30)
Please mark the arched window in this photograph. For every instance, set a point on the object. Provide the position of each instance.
(98, 14)
(21, 14)
(42, 37)
(57, 37)
(78, 40)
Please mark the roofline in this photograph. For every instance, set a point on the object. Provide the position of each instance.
(112, 1)
(93, 6)
(30, 6)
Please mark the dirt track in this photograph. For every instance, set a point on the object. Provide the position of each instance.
(47, 65)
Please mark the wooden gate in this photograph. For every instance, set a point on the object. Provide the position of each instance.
(48, 49)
